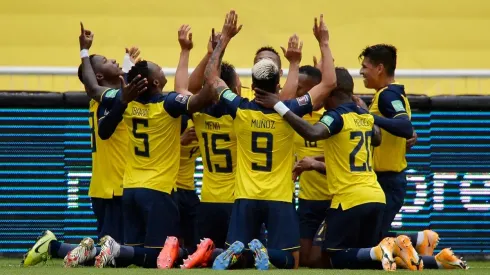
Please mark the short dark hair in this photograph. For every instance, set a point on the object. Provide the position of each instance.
(228, 74)
(265, 75)
(345, 83)
(140, 68)
(382, 54)
(311, 71)
(269, 49)
(80, 73)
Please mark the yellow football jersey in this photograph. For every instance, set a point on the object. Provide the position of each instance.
(265, 147)
(312, 185)
(188, 155)
(218, 145)
(108, 157)
(348, 157)
(153, 124)
(390, 102)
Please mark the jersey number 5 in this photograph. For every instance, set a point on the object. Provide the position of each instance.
(364, 139)
(225, 152)
(144, 137)
(267, 151)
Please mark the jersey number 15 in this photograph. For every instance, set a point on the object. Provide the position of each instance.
(224, 152)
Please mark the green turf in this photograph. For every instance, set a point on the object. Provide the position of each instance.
(11, 267)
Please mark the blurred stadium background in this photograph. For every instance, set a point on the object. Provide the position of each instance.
(443, 50)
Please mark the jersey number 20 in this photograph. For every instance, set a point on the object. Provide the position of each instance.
(364, 139)
(144, 137)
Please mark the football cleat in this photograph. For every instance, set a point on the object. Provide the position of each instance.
(169, 253)
(229, 256)
(40, 251)
(109, 251)
(260, 254)
(448, 260)
(406, 252)
(201, 257)
(84, 252)
(429, 244)
(384, 253)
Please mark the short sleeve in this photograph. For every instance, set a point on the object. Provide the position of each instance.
(300, 105)
(108, 97)
(391, 104)
(333, 121)
(176, 104)
(231, 100)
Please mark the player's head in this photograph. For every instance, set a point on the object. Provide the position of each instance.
(269, 53)
(106, 70)
(378, 64)
(152, 72)
(309, 77)
(344, 90)
(231, 78)
(265, 76)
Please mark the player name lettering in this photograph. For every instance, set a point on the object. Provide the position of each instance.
(140, 112)
(212, 125)
(262, 123)
(361, 122)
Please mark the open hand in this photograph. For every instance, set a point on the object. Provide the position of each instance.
(86, 38)
(230, 27)
(185, 38)
(293, 53)
(265, 99)
(132, 90)
(213, 41)
(188, 136)
(134, 53)
(320, 31)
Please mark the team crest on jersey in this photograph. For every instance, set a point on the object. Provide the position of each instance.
(229, 95)
(182, 98)
(111, 93)
(397, 105)
(327, 120)
(303, 100)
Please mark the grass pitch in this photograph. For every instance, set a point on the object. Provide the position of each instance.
(10, 266)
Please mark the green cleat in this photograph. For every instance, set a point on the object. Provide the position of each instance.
(40, 251)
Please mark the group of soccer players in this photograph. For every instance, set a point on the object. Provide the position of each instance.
(350, 160)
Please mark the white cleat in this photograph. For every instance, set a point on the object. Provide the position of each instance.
(84, 252)
(109, 250)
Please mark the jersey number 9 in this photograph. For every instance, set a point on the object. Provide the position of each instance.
(144, 137)
(225, 152)
(364, 139)
(267, 151)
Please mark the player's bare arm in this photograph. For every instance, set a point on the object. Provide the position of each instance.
(293, 55)
(376, 138)
(309, 132)
(308, 164)
(109, 122)
(211, 74)
(181, 82)
(93, 89)
(321, 91)
(196, 79)
(320, 158)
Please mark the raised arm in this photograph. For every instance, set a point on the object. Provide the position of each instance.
(196, 79)
(329, 80)
(181, 82)
(293, 55)
(211, 74)
(92, 88)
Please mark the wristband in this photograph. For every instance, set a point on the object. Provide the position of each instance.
(84, 53)
(281, 108)
(127, 64)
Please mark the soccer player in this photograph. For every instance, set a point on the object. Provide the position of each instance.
(106, 183)
(264, 156)
(153, 122)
